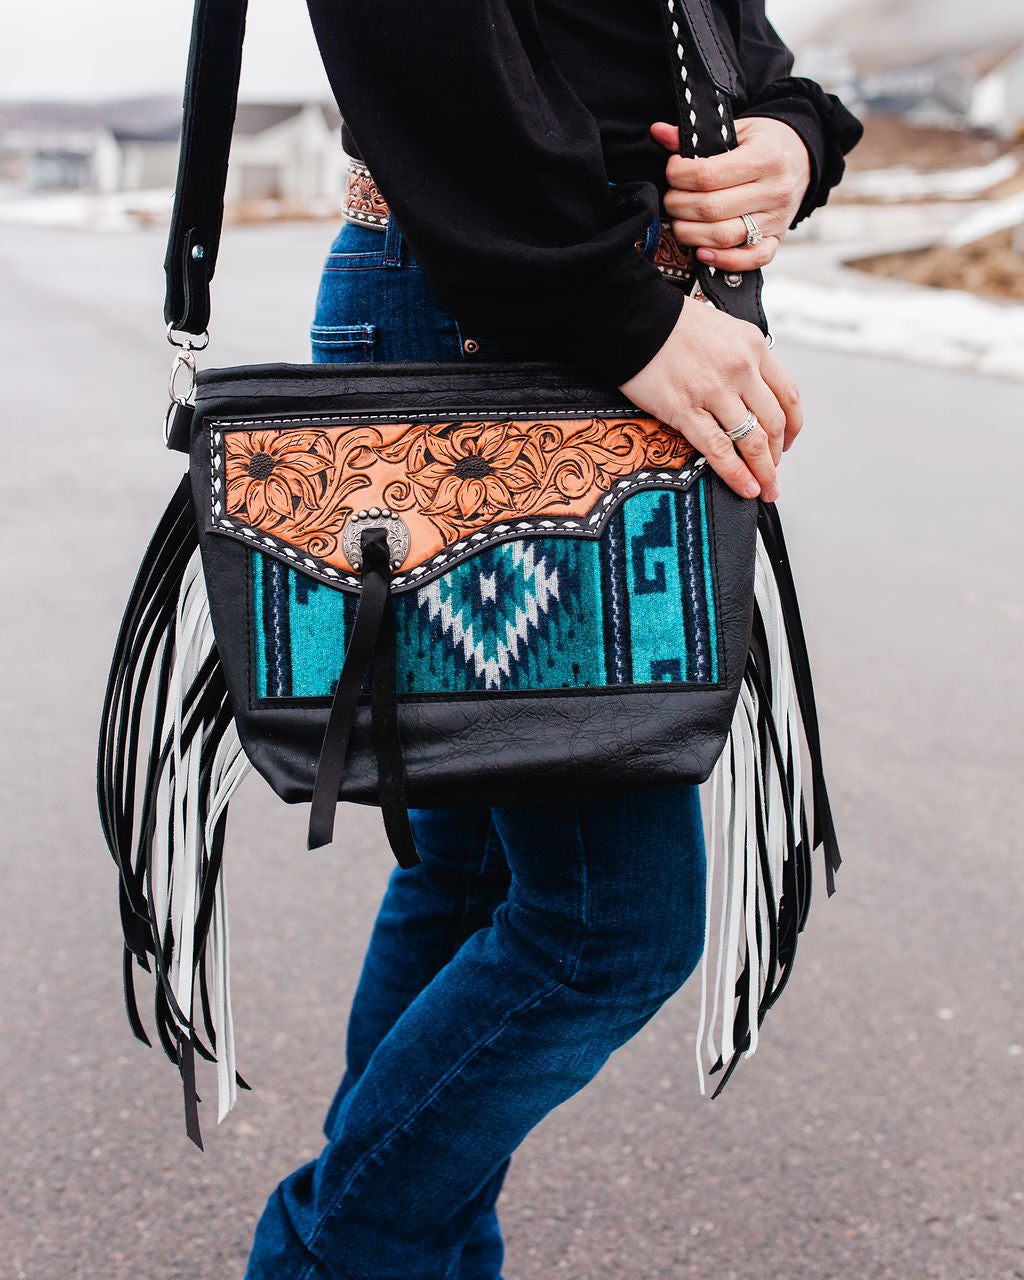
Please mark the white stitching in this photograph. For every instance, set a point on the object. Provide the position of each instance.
(374, 220)
(215, 439)
(683, 73)
(458, 550)
(342, 420)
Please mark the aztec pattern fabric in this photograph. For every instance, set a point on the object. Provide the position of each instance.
(635, 606)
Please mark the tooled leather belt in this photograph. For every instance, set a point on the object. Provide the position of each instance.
(365, 205)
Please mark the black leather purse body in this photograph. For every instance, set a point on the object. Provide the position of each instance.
(439, 584)
(588, 636)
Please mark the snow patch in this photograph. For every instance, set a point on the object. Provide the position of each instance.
(90, 211)
(901, 182)
(986, 222)
(941, 327)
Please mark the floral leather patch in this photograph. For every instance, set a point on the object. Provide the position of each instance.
(290, 486)
(363, 201)
(672, 259)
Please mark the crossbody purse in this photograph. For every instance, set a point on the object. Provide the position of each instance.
(437, 584)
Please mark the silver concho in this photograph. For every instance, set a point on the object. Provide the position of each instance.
(376, 518)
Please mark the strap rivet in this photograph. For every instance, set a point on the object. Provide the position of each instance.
(734, 280)
(198, 252)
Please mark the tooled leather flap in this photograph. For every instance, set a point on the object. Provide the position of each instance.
(301, 488)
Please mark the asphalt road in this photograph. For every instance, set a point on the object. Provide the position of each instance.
(876, 1135)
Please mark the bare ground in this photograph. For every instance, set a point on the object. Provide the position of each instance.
(992, 267)
(890, 141)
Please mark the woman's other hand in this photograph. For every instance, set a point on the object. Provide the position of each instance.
(765, 176)
(713, 369)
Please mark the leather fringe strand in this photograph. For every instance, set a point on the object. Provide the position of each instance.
(169, 762)
(759, 840)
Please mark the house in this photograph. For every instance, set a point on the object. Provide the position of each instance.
(43, 152)
(936, 93)
(286, 151)
(997, 100)
(981, 90)
(831, 65)
(148, 156)
(91, 147)
(938, 62)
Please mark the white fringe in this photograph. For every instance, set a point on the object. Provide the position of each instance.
(737, 895)
(177, 864)
(230, 767)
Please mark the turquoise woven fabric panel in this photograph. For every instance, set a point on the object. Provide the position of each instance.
(523, 615)
(634, 607)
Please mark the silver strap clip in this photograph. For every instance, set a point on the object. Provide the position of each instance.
(181, 383)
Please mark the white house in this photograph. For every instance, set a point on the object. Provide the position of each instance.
(286, 151)
(290, 152)
(55, 157)
(997, 102)
(934, 93)
(98, 147)
(148, 157)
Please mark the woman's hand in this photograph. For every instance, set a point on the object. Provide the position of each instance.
(765, 176)
(713, 369)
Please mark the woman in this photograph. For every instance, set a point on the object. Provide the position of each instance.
(518, 158)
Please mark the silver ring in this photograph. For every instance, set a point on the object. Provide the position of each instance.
(754, 233)
(749, 423)
(188, 341)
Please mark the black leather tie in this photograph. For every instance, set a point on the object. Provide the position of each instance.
(373, 639)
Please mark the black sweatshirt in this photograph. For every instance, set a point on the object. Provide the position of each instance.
(510, 137)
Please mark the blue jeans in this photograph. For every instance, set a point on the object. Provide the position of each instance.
(531, 942)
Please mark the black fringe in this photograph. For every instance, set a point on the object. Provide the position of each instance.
(128, 782)
(786, 905)
(770, 527)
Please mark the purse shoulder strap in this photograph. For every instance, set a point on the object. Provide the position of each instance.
(208, 117)
(705, 84)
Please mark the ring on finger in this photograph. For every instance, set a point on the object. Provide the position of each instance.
(740, 432)
(754, 233)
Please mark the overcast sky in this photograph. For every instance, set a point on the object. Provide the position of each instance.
(109, 48)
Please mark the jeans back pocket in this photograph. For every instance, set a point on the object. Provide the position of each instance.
(342, 344)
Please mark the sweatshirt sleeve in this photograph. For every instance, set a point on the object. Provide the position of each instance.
(495, 172)
(828, 130)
